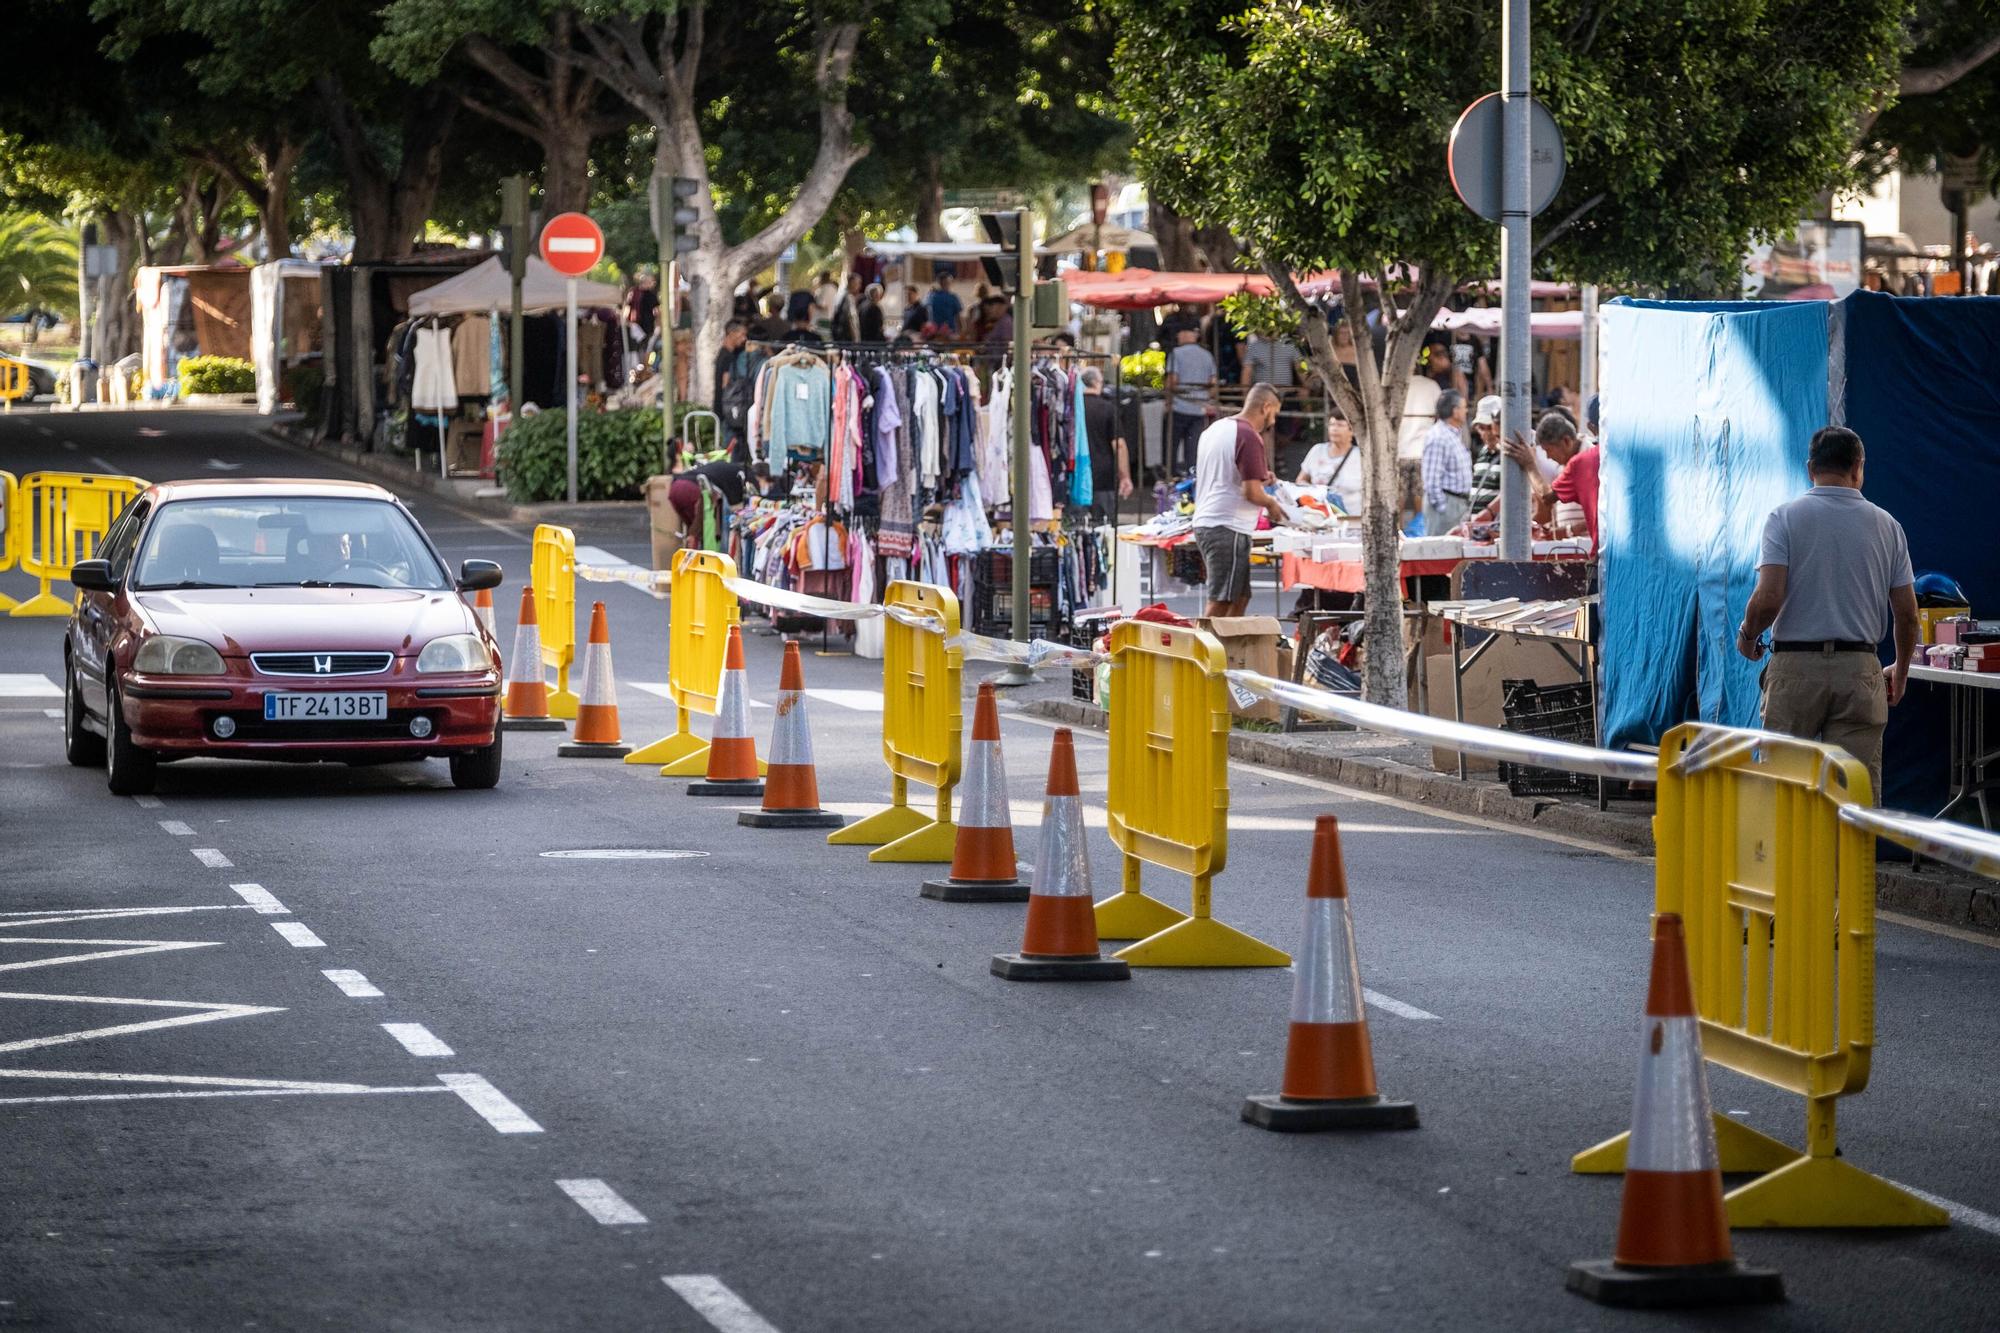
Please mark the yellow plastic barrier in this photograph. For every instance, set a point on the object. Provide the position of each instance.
(553, 565)
(923, 718)
(14, 382)
(1778, 893)
(1169, 796)
(702, 608)
(10, 532)
(58, 519)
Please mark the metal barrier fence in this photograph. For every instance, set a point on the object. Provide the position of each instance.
(923, 718)
(58, 518)
(1169, 797)
(552, 567)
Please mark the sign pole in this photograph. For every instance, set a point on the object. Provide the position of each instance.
(572, 391)
(1516, 258)
(663, 203)
(1024, 315)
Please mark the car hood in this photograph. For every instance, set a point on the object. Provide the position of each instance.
(240, 621)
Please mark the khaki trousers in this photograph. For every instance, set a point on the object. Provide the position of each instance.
(1838, 698)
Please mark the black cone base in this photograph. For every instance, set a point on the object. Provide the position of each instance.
(747, 787)
(975, 890)
(533, 724)
(592, 750)
(791, 819)
(1271, 1111)
(1606, 1283)
(1026, 967)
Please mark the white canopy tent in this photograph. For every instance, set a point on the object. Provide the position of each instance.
(1089, 236)
(487, 286)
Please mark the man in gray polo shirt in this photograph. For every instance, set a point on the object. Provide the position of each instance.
(1833, 570)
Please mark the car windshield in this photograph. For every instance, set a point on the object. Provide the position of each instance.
(286, 542)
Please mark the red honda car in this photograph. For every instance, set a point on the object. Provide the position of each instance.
(277, 619)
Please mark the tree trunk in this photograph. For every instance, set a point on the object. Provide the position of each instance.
(114, 323)
(930, 201)
(1175, 235)
(566, 167)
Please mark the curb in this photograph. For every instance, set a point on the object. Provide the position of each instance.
(1936, 894)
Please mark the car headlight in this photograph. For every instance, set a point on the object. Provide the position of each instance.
(454, 652)
(165, 655)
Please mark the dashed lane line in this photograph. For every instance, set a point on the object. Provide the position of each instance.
(259, 897)
(1960, 1213)
(492, 1104)
(298, 934)
(53, 712)
(418, 1041)
(602, 1203)
(177, 828)
(148, 802)
(212, 858)
(352, 984)
(28, 685)
(104, 464)
(722, 1308)
(1394, 1006)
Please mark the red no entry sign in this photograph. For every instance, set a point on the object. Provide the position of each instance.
(572, 244)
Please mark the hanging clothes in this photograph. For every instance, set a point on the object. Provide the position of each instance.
(431, 386)
(472, 369)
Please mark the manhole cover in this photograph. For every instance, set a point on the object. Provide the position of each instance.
(621, 854)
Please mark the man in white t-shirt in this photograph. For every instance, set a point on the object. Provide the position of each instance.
(1230, 470)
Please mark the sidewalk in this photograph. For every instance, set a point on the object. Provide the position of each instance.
(1392, 767)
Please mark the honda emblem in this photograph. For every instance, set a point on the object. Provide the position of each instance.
(323, 666)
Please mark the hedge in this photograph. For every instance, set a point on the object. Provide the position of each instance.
(217, 374)
(615, 453)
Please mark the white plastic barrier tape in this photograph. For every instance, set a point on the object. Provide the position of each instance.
(652, 581)
(1484, 742)
(785, 599)
(1960, 845)
(1038, 655)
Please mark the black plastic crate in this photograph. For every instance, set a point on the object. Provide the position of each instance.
(1185, 565)
(1552, 712)
(1084, 629)
(996, 565)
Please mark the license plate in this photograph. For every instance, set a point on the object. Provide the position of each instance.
(287, 706)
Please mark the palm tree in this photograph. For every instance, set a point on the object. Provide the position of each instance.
(37, 267)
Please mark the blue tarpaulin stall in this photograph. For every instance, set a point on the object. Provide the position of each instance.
(1707, 409)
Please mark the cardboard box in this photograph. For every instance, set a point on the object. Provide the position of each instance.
(1251, 644)
(1513, 658)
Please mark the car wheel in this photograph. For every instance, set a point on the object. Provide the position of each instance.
(478, 770)
(129, 770)
(81, 746)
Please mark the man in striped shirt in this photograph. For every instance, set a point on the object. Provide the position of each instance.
(1447, 468)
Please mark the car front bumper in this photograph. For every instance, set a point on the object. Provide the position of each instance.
(175, 717)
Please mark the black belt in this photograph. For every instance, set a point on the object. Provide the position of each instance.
(1821, 646)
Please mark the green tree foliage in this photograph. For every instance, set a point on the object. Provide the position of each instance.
(1317, 133)
(1947, 96)
(37, 265)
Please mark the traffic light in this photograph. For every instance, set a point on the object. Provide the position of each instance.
(1004, 230)
(677, 213)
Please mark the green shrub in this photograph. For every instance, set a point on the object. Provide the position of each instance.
(217, 374)
(303, 387)
(615, 453)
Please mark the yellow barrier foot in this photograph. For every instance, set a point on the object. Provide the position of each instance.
(41, 604)
(1739, 1149)
(7, 603)
(1202, 942)
(934, 843)
(670, 749)
(1132, 915)
(1827, 1192)
(881, 828)
(563, 704)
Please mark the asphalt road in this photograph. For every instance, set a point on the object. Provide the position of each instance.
(315, 1047)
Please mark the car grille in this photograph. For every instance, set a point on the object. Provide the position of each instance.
(311, 664)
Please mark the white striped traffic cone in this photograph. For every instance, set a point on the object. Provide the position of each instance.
(732, 754)
(1329, 1065)
(482, 606)
(1673, 1228)
(983, 869)
(1060, 942)
(527, 706)
(791, 785)
(596, 735)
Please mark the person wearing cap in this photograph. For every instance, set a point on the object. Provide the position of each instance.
(1447, 468)
(1486, 456)
(1833, 575)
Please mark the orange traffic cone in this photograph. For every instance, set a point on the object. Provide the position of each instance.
(1329, 1066)
(791, 786)
(1673, 1229)
(732, 755)
(527, 706)
(482, 606)
(596, 735)
(982, 853)
(1060, 943)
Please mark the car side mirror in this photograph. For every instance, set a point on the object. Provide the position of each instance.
(93, 576)
(474, 575)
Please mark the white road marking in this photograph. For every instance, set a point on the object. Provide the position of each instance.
(177, 828)
(1939, 928)
(70, 445)
(45, 431)
(52, 916)
(1397, 1007)
(721, 1307)
(28, 685)
(491, 1103)
(861, 701)
(1964, 1216)
(417, 1040)
(180, 1096)
(298, 934)
(103, 464)
(148, 802)
(204, 1013)
(212, 858)
(53, 712)
(659, 690)
(602, 1203)
(259, 897)
(352, 984)
(131, 948)
(189, 1080)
